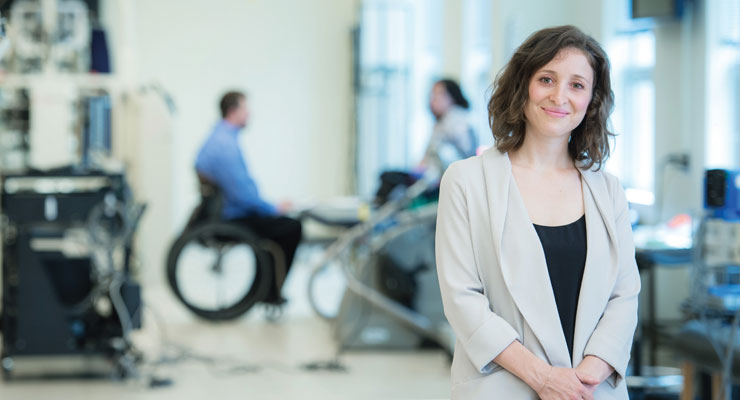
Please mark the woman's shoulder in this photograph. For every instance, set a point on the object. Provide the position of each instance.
(491, 159)
(471, 173)
(465, 169)
(611, 183)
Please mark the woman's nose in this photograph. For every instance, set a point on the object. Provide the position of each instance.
(557, 95)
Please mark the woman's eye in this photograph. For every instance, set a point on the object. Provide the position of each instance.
(578, 86)
(545, 79)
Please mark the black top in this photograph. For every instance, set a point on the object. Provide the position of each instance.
(565, 253)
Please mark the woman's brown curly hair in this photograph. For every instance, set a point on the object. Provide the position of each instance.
(589, 142)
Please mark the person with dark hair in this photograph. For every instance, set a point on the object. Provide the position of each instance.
(220, 162)
(231, 101)
(453, 137)
(534, 246)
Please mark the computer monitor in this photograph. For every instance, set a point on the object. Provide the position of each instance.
(663, 9)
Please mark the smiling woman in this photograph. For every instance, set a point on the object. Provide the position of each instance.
(506, 109)
(559, 94)
(534, 246)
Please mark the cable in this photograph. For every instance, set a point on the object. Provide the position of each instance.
(226, 366)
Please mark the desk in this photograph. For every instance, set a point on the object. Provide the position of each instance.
(647, 260)
(694, 347)
(656, 245)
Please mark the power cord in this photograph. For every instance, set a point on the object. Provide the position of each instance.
(172, 354)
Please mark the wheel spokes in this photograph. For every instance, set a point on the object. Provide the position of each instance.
(215, 278)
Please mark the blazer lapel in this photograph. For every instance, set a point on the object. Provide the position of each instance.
(601, 268)
(521, 257)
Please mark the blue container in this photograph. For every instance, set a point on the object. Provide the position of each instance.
(722, 194)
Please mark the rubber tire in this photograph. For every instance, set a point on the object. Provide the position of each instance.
(262, 278)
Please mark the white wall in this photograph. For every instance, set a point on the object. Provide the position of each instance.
(680, 114)
(294, 60)
(452, 46)
(514, 21)
(680, 76)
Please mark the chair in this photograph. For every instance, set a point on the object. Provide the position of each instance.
(217, 268)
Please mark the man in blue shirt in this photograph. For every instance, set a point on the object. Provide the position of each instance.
(221, 162)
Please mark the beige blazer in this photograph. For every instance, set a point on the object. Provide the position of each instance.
(496, 288)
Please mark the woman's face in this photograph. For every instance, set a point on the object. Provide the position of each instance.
(439, 100)
(559, 95)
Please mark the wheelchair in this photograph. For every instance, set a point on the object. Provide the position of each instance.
(220, 269)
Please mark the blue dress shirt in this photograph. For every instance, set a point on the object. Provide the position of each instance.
(221, 161)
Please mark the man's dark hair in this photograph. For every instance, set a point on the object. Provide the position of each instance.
(230, 101)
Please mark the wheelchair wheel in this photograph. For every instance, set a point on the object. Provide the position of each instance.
(218, 270)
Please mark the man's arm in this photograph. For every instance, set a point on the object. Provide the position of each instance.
(229, 170)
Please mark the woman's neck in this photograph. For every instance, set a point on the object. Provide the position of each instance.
(542, 153)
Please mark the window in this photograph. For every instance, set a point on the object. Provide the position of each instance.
(723, 85)
(632, 55)
(476, 79)
(398, 54)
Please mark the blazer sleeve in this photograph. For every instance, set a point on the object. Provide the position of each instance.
(482, 333)
(612, 339)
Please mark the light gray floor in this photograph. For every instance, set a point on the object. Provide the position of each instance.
(276, 349)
